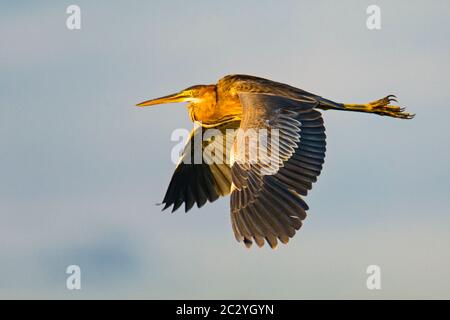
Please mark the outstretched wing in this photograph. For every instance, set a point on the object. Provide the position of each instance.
(197, 178)
(266, 200)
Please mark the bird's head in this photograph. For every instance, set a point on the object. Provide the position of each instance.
(195, 95)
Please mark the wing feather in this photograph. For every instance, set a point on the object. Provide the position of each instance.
(268, 204)
(199, 183)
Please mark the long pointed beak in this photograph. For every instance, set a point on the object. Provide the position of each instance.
(171, 98)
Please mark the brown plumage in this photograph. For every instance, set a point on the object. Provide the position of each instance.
(266, 201)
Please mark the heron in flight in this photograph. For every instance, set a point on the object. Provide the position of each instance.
(264, 206)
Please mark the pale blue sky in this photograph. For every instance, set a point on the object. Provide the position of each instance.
(81, 169)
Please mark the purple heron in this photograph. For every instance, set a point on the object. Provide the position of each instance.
(264, 207)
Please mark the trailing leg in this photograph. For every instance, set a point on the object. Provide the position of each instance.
(381, 107)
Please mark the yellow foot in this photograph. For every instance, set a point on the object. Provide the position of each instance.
(383, 108)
